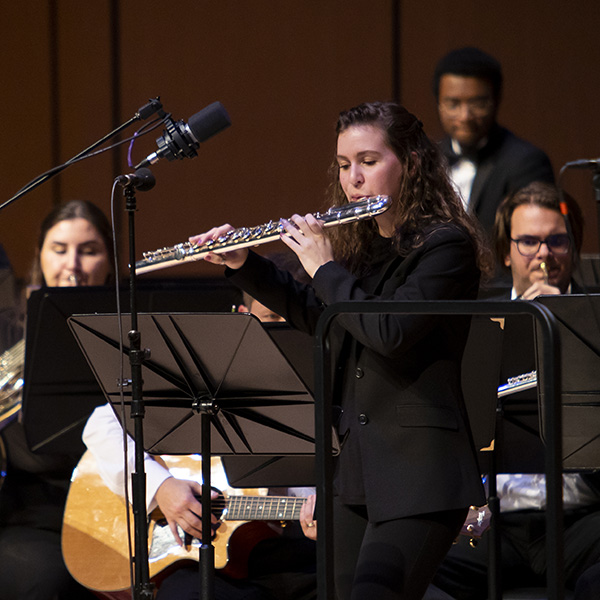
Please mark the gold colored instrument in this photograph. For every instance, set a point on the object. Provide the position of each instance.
(544, 268)
(247, 237)
(11, 382)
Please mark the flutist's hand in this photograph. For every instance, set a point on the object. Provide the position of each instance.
(305, 236)
(233, 259)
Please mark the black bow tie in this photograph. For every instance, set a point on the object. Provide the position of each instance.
(453, 157)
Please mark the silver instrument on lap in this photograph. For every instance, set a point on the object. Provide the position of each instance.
(3, 462)
(247, 237)
(516, 384)
(11, 382)
(11, 392)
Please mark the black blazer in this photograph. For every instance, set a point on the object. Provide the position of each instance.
(407, 444)
(505, 164)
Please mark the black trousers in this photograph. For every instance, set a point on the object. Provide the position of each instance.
(391, 560)
(32, 567)
(281, 568)
(463, 573)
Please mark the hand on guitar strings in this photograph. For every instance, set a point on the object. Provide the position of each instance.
(307, 520)
(177, 500)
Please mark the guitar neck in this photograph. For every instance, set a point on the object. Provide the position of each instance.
(263, 508)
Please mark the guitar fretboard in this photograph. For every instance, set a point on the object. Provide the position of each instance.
(263, 508)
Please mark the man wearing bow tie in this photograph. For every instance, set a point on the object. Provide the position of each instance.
(487, 161)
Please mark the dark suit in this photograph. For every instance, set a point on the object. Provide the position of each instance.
(407, 448)
(505, 164)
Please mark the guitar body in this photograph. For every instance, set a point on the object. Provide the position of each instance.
(94, 534)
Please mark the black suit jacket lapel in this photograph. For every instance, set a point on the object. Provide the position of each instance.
(486, 163)
(484, 170)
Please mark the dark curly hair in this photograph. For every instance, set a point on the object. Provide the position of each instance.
(427, 196)
(469, 62)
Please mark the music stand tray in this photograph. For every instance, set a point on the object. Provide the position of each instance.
(60, 391)
(578, 319)
(224, 362)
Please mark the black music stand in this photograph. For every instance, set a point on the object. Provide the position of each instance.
(247, 471)
(260, 404)
(549, 354)
(519, 448)
(214, 382)
(480, 376)
(60, 390)
(522, 424)
(578, 319)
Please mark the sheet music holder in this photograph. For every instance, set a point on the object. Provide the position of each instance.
(522, 424)
(248, 471)
(519, 448)
(262, 406)
(578, 318)
(214, 383)
(60, 390)
(480, 376)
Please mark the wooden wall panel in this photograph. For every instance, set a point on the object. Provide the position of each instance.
(283, 70)
(549, 53)
(85, 85)
(26, 144)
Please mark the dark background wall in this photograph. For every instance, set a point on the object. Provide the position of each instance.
(72, 71)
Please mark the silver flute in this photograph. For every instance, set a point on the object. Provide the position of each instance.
(246, 237)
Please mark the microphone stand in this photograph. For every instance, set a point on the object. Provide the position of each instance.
(596, 185)
(144, 112)
(143, 589)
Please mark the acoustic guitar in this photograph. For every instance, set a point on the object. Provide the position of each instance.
(94, 534)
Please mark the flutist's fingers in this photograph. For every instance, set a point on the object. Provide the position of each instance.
(233, 259)
(211, 234)
(304, 235)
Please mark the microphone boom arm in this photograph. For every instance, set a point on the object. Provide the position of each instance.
(144, 112)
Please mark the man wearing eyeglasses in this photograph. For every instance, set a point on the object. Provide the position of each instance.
(487, 161)
(533, 243)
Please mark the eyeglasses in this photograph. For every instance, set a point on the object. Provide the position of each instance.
(477, 106)
(528, 245)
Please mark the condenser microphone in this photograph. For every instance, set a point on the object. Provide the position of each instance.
(585, 163)
(143, 179)
(180, 139)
